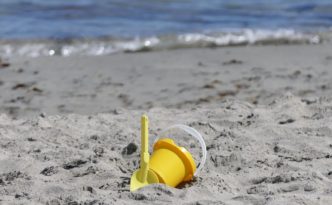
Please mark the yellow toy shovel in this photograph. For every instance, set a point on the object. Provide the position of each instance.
(143, 176)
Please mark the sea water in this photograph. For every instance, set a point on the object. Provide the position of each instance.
(99, 27)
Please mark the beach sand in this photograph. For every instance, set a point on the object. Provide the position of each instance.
(69, 132)
(171, 79)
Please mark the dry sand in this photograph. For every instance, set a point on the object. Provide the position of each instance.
(265, 145)
(172, 79)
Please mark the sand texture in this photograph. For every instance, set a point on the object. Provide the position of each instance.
(279, 153)
(171, 79)
(69, 127)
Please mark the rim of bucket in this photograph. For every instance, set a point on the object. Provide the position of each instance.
(194, 133)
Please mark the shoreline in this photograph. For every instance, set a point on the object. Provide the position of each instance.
(104, 46)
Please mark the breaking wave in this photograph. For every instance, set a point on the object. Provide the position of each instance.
(107, 46)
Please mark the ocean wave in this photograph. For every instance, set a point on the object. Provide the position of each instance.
(97, 47)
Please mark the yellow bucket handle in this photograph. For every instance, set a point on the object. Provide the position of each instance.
(194, 133)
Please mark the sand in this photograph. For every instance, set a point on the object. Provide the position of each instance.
(69, 132)
(171, 79)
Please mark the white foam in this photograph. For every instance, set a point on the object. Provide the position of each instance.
(249, 36)
(106, 47)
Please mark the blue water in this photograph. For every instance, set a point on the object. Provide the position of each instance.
(67, 19)
(100, 27)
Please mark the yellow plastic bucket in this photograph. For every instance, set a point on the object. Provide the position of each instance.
(171, 163)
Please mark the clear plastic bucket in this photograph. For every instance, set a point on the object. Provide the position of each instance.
(192, 133)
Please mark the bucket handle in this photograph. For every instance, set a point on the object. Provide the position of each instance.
(194, 133)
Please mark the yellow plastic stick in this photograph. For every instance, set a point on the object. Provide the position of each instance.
(143, 176)
(145, 157)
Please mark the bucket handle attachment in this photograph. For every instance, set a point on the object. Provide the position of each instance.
(194, 133)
